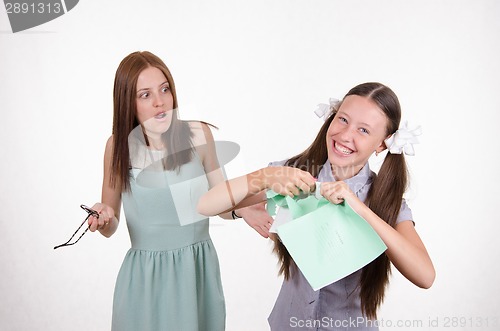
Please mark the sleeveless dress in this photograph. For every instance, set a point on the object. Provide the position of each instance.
(170, 277)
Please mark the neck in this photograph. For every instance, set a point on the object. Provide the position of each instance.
(343, 173)
(155, 141)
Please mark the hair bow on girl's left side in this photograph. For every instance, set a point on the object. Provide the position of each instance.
(403, 139)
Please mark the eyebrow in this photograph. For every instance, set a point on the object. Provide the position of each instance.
(365, 124)
(148, 88)
(361, 123)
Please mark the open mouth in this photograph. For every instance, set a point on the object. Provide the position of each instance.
(342, 149)
(161, 115)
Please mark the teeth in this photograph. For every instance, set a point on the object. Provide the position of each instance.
(343, 150)
(161, 115)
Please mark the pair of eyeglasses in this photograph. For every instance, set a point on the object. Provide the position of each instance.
(90, 212)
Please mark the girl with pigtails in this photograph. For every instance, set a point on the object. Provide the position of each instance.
(366, 121)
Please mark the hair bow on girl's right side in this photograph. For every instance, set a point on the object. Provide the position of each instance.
(323, 110)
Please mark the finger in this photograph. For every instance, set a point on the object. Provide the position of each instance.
(259, 230)
(325, 190)
(97, 207)
(100, 220)
(93, 226)
(264, 227)
(309, 179)
(329, 192)
(278, 188)
(263, 232)
(336, 198)
(91, 219)
(284, 189)
(293, 189)
(106, 214)
(104, 219)
(304, 187)
(301, 172)
(312, 188)
(101, 224)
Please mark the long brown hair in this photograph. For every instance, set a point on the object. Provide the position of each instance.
(178, 136)
(384, 198)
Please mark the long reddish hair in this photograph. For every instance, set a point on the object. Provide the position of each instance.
(384, 198)
(178, 136)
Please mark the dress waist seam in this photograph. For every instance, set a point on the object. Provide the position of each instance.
(171, 249)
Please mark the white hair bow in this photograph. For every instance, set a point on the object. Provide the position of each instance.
(323, 110)
(403, 139)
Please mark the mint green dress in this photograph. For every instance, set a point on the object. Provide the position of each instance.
(170, 277)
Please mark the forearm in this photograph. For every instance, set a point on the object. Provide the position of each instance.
(109, 207)
(226, 215)
(404, 248)
(227, 195)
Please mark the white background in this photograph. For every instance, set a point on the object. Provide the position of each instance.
(256, 69)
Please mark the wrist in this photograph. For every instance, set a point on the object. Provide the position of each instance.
(357, 205)
(234, 215)
(258, 181)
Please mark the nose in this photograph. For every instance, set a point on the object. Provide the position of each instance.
(346, 134)
(158, 101)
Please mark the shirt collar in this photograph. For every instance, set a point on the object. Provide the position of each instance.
(355, 183)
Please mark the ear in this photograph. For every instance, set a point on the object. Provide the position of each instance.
(381, 147)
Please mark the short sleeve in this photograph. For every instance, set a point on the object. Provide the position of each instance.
(404, 213)
(277, 163)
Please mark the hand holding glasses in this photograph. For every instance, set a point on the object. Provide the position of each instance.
(90, 212)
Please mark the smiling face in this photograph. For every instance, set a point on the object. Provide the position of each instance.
(358, 130)
(154, 102)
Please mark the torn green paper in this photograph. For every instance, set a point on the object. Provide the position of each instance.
(330, 242)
